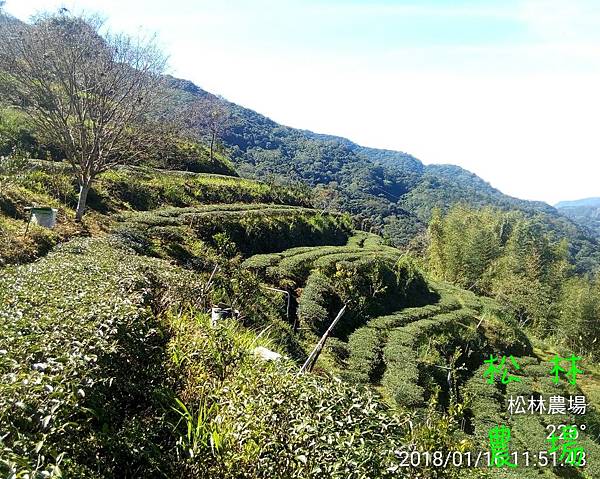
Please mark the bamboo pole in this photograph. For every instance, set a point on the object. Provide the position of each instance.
(314, 355)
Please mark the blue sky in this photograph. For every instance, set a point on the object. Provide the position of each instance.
(507, 89)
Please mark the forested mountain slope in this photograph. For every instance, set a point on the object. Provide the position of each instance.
(378, 186)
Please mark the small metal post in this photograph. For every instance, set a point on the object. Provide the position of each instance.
(288, 295)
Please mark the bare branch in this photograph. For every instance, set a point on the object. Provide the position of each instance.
(86, 89)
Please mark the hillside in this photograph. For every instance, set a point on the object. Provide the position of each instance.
(389, 192)
(253, 311)
(584, 212)
(110, 366)
(378, 187)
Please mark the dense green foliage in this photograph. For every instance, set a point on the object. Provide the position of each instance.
(17, 136)
(521, 263)
(27, 182)
(367, 276)
(84, 389)
(272, 423)
(97, 381)
(252, 228)
(110, 365)
(81, 359)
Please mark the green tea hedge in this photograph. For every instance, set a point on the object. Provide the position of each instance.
(81, 359)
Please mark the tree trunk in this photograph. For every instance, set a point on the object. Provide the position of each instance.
(212, 145)
(84, 189)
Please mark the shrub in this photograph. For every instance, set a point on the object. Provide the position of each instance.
(299, 265)
(261, 419)
(401, 374)
(306, 427)
(487, 405)
(317, 302)
(253, 228)
(81, 361)
(260, 262)
(365, 346)
(408, 315)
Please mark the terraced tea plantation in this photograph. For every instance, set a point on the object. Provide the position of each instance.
(250, 228)
(415, 342)
(105, 343)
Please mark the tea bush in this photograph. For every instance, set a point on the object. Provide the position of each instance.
(147, 188)
(308, 427)
(255, 419)
(401, 374)
(298, 266)
(401, 355)
(81, 360)
(487, 405)
(253, 228)
(364, 239)
(408, 315)
(317, 302)
(365, 347)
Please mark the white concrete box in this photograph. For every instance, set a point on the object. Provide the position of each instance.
(43, 216)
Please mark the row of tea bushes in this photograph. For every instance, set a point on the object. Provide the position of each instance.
(487, 405)
(147, 189)
(366, 344)
(408, 315)
(81, 354)
(298, 266)
(25, 182)
(369, 285)
(253, 228)
(296, 263)
(317, 302)
(401, 378)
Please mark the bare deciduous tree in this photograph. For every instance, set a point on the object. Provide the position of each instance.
(212, 117)
(87, 90)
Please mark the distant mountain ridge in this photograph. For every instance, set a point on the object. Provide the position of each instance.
(589, 202)
(585, 212)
